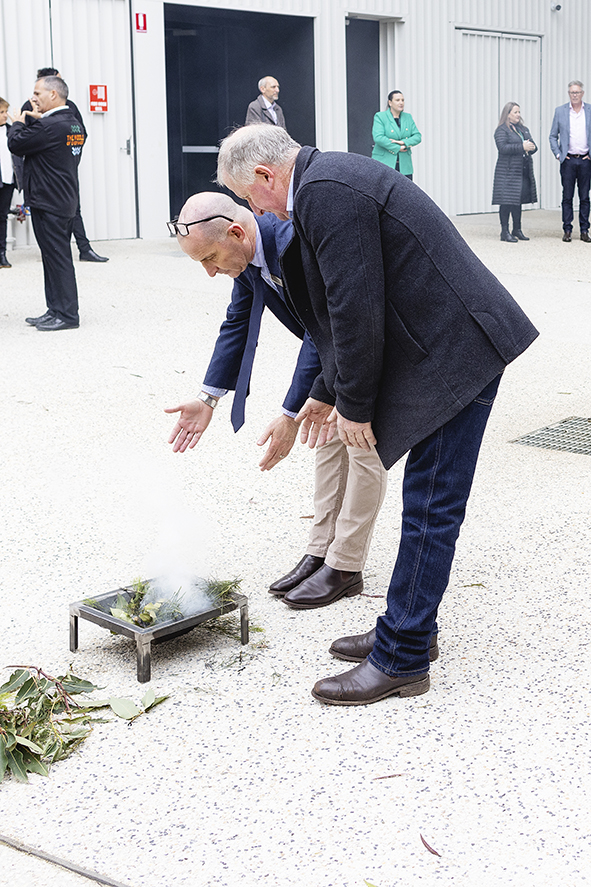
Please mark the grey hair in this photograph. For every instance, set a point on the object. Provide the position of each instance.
(56, 83)
(576, 83)
(258, 145)
(263, 81)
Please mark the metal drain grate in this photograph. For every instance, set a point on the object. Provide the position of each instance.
(572, 435)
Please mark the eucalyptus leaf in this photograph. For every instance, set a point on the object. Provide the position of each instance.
(124, 708)
(34, 765)
(16, 679)
(17, 765)
(21, 740)
(156, 702)
(3, 758)
(149, 699)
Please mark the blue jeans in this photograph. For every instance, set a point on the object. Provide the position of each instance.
(437, 482)
(576, 170)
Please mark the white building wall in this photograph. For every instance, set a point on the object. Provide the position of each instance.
(420, 42)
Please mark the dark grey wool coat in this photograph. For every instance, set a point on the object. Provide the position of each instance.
(514, 181)
(410, 326)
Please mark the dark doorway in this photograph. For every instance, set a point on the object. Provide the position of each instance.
(363, 82)
(214, 60)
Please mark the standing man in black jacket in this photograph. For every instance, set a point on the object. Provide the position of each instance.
(87, 254)
(52, 146)
(413, 333)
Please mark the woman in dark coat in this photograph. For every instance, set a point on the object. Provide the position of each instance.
(514, 182)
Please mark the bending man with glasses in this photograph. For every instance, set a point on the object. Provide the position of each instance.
(570, 140)
(350, 484)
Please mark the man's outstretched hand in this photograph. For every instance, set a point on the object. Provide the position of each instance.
(316, 426)
(282, 433)
(194, 419)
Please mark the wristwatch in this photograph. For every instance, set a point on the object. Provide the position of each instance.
(208, 399)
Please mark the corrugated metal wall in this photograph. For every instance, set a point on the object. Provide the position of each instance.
(447, 77)
(88, 41)
(449, 95)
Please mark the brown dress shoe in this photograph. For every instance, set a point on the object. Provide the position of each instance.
(359, 646)
(585, 237)
(323, 588)
(567, 236)
(365, 684)
(308, 565)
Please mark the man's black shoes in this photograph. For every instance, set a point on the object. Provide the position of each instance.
(567, 236)
(56, 323)
(585, 237)
(308, 565)
(91, 256)
(359, 646)
(33, 321)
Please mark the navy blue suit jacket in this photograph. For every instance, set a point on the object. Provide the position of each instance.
(228, 353)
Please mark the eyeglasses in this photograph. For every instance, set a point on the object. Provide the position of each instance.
(575, 92)
(182, 228)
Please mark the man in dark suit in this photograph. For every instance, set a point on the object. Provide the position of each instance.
(52, 146)
(265, 109)
(349, 490)
(413, 333)
(86, 252)
(570, 140)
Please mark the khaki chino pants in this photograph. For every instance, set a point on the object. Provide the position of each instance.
(350, 486)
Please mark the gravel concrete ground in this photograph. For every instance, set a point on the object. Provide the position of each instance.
(241, 777)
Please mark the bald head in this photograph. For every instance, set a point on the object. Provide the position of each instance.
(226, 242)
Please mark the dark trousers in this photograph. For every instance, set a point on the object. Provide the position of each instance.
(82, 241)
(5, 198)
(53, 234)
(437, 482)
(575, 170)
(506, 210)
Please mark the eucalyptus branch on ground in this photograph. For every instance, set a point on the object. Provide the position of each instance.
(41, 722)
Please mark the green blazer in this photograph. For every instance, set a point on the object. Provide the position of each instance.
(385, 129)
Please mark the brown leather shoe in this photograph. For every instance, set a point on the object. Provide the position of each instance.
(359, 646)
(585, 237)
(308, 565)
(323, 588)
(365, 684)
(567, 236)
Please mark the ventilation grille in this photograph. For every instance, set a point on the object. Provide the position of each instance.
(572, 435)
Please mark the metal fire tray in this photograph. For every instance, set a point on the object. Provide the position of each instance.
(162, 631)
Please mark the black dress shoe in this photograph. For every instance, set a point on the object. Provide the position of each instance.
(4, 263)
(567, 236)
(508, 238)
(33, 321)
(359, 646)
(365, 684)
(518, 233)
(91, 256)
(56, 323)
(308, 565)
(585, 237)
(323, 588)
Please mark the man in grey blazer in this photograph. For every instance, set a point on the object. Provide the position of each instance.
(265, 109)
(570, 140)
(413, 333)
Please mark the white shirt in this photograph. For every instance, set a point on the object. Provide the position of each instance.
(5, 157)
(270, 106)
(259, 261)
(577, 142)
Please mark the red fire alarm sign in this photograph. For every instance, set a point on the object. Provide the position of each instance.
(141, 22)
(98, 97)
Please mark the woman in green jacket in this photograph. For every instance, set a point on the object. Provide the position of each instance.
(394, 133)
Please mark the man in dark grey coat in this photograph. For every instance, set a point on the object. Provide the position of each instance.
(413, 333)
(265, 109)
